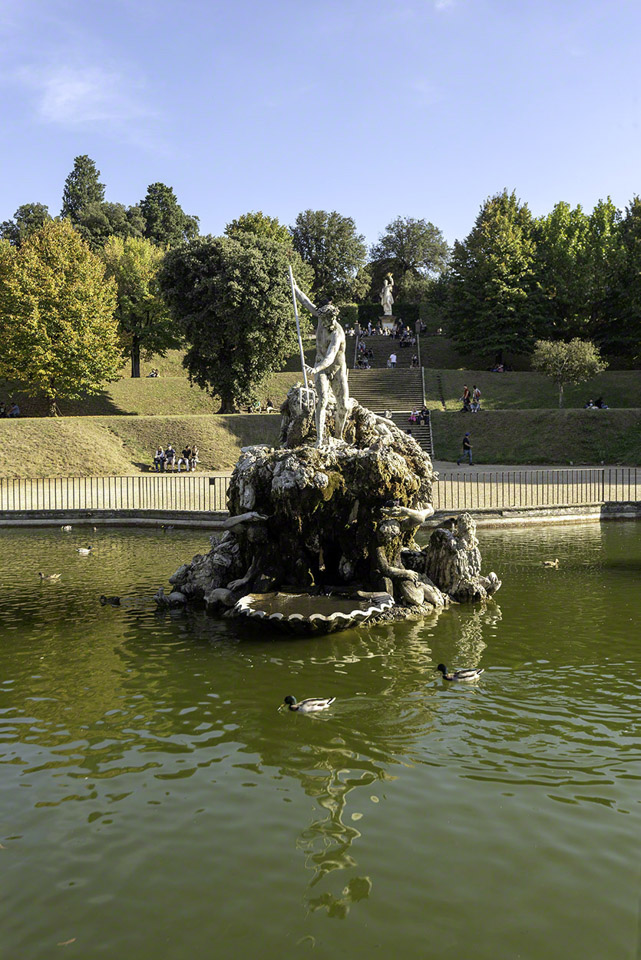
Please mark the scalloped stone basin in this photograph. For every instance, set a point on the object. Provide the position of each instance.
(306, 613)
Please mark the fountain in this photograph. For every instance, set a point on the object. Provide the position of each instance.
(321, 532)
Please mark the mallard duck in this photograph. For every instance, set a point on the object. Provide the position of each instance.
(49, 576)
(551, 563)
(472, 673)
(66, 527)
(311, 705)
(85, 551)
(114, 601)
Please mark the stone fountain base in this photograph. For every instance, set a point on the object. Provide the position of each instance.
(332, 523)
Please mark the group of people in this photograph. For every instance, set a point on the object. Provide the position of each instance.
(153, 372)
(167, 459)
(10, 409)
(257, 407)
(420, 416)
(597, 404)
(365, 356)
(471, 400)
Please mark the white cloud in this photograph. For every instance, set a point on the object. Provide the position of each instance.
(443, 4)
(74, 96)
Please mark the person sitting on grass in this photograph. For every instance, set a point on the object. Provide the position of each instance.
(14, 410)
(3, 409)
(185, 459)
(159, 459)
(600, 404)
(194, 459)
(269, 406)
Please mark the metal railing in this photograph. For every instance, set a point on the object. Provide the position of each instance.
(153, 491)
(192, 493)
(502, 489)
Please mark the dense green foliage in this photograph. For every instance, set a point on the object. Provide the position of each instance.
(258, 224)
(262, 225)
(165, 220)
(573, 362)
(57, 326)
(491, 280)
(82, 187)
(233, 301)
(27, 218)
(413, 251)
(329, 243)
(145, 323)
(99, 221)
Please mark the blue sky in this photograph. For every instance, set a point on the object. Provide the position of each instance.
(376, 109)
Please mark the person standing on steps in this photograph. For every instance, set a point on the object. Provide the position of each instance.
(467, 450)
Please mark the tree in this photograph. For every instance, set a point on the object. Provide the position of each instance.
(27, 218)
(410, 249)
(166, 222)
(82, 187)
(572, 362)
(622, 334)
(99, 221)
(233, 301)
(57, 326)
(329, 243)
(605, 259)
(561, 269)
(145, 323)
(270, 228)
(490, 283)
(260, 224)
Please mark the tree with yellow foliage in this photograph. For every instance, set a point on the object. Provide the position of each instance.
(58, 331)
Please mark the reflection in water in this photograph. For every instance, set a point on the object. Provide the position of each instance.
(471, 644)
(128, 739)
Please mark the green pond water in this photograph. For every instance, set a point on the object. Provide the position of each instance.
(156, 803)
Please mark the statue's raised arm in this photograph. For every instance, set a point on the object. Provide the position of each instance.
(304, 300)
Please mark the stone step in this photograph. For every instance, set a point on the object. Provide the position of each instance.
(382, 346)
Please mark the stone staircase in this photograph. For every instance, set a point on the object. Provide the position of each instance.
(397, 390)
(379, 390)
(381, 347)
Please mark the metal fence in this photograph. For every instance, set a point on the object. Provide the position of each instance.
(157, 491)
(464, 490)
(501, 489)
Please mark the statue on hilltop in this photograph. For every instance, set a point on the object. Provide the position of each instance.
(387, 300)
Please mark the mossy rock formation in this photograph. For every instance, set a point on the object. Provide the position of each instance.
(333, 519)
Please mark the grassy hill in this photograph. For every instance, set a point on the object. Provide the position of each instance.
(541, 436)
(145, 397)
(100, 446)
(117, 431)
(530, 391)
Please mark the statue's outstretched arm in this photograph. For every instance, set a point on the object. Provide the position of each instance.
(304, 300)
(420, 515)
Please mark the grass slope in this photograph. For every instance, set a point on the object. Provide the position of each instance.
(541, 436)
(101, 446)
(531, 391)
(146, 397)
